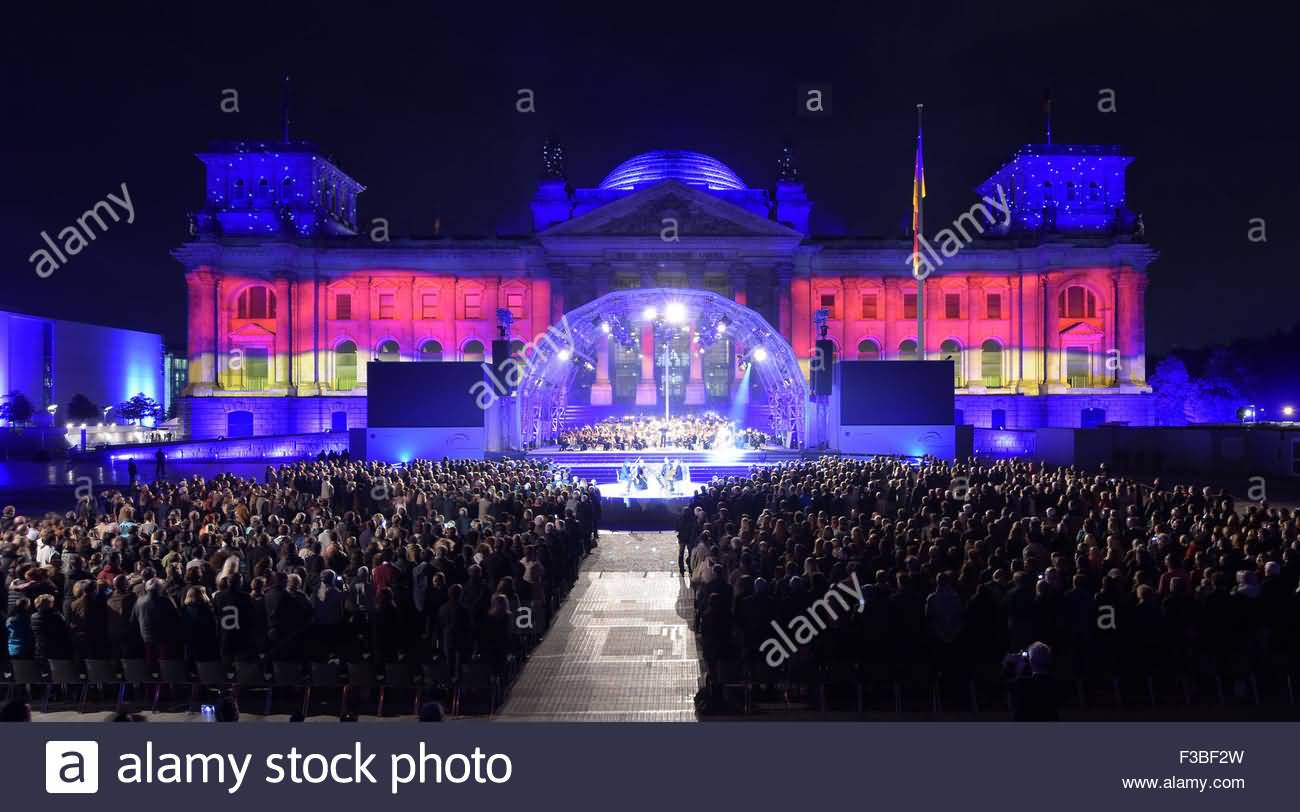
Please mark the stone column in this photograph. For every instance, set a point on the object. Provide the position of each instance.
(696, 393)
(283, 334)
(1137, 326)
(559, 292)
(647, 393)
(739, 284)
(785, 307)
(202, 331)
(602, 391)
(219, 322)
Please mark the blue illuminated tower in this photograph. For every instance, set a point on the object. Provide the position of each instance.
(1063, 188)
(288, 189)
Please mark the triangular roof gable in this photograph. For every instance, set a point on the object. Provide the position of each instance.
(1082, 328)
(645, 213)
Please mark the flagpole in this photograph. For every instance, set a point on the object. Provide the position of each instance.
(920, 230)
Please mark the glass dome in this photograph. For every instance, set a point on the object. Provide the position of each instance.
(691, 168)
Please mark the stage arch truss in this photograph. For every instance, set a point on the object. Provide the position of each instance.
(553, 359)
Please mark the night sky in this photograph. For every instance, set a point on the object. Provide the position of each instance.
(418, 104)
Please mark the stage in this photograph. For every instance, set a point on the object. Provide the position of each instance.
(654, 507)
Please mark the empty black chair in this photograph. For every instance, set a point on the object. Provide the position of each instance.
(323, 675)
(104, 672)
(475, 676)
(32, 672)
(69, 673)
(434, 677)
(360, 675)
(250, 675)
(212, 674)
(176, 673)
(289, 674)
(136, 671)
(397, 676)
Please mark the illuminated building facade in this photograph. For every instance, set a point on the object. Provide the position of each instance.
(290, 295)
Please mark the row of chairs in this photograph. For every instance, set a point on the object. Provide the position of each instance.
(422, 680)
(984, 688)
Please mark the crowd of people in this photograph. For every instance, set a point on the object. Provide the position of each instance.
(700, 432)
(328, 561)
(965, 569)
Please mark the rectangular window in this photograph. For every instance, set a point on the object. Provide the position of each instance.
(869, 310)
(993, 304)
(473, 305)
(1076, 366)
(255, 368)
(388, 305)
(515, 304)
(428, 305)
(343, 306)
(828, 302)
(952, 305)
(257, 303)
(909, 305)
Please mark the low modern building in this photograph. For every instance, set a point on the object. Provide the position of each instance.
(1037, 294)
(51, 361)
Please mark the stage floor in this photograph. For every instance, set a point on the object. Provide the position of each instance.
(682, 490)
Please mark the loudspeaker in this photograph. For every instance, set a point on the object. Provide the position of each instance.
(820, 368)
(500, 369)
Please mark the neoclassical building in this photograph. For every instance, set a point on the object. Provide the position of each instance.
(290, 294)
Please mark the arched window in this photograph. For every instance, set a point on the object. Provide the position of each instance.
(431, 351)
(256, 303)
(1094, 192)
(1048, 195)
(1077, 302)
(907, 351)
(950, 350)
(991, 363)
(1069, 190)
(389, 351)
(473, 351)
(345, 365)
(868, 350)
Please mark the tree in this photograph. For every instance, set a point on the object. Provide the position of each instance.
(139, 408)
(82, 408)
(16, 409)
(1173, 389)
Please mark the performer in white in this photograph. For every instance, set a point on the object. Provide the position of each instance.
(725, 439)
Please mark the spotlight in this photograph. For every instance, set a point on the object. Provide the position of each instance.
(1288, 411)
(676, 312)
(564, 354)
(760, 354)
(604, 327)
(650, 313)
(722, 327)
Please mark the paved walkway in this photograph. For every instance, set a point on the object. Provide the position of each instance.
(622, 648)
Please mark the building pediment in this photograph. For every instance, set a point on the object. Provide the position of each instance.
(250, 329)
(1082, 330)
(670, 208)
